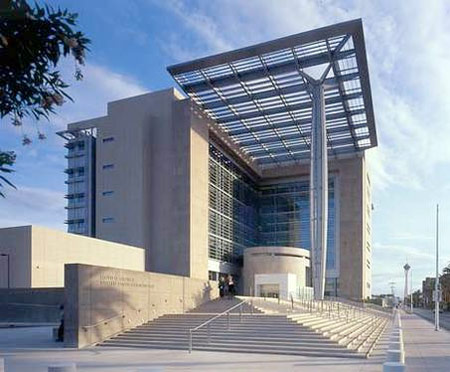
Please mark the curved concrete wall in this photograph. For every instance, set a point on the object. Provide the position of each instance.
(274, 260)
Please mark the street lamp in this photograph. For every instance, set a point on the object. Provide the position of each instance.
(436, 284)
(7, 256)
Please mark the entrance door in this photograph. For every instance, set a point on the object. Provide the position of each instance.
(269, 290)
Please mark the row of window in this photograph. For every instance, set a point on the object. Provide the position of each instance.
(108, 192)
(243, 215)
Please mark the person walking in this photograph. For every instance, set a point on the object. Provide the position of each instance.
(61, 326)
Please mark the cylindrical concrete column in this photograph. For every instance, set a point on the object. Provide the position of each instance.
(318, 190)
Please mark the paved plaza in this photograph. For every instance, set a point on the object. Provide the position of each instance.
(31, 349)
(425, 349)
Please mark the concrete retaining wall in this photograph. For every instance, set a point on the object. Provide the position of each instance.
(25, 305)
(101, 302)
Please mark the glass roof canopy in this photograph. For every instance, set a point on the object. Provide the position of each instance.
(259, 95)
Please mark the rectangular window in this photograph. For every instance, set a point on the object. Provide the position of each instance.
(108, 139)
(108, 220)
(108, 166)
(107, 193)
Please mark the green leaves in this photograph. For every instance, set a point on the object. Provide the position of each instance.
(7, 159)
(32, 42)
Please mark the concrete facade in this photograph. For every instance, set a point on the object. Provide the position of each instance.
(102, 301)
(38, 255)
(153, 192)
(152, 180)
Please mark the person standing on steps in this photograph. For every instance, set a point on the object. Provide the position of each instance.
(230, 286)
(222, 287)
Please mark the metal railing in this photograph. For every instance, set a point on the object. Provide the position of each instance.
(209, 321)
(29, 304)
(103, 322)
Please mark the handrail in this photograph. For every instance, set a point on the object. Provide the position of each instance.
(104, 321)
(209, 321)
(216, 316)
(28, 304)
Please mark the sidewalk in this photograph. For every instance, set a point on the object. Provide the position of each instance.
(425, 349)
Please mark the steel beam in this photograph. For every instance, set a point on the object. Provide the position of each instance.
(318, 191)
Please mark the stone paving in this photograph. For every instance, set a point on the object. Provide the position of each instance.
(31, 349)
(425, 349)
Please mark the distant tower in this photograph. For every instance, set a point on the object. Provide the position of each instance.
(406, 268)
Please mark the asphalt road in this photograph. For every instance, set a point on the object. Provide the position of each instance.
(444, 318)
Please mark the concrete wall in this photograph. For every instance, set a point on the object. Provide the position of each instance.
(101, 301)
(23, 305)
(159, 181)
(274, 260)
(38, 255)
(16, 242)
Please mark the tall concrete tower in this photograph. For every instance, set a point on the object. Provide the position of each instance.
(405, 296)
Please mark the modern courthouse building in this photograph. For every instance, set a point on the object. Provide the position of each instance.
(264, 148)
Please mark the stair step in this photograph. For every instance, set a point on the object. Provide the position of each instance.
(226, 338)
(344, 353)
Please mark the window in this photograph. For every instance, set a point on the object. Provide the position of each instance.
(108, 139)
(368, 246)
(108, 166)
(368, 264)
(108, 220)
(107, 193)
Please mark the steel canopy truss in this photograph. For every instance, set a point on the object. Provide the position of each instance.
(260, 97)
(302, 97)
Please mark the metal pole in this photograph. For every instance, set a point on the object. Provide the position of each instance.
(228, 320)
(411, 289)
(190, 341)
(209, 333)
(436, 284)
(240, 314)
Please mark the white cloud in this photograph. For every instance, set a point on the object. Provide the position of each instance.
(42, 162)
(30, 205)
(408, 58)
(406, 46)
(91, 95)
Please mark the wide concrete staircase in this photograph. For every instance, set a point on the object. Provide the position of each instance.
(256, 326)
(355, 328)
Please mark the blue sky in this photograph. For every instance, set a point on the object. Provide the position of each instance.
(407, 44)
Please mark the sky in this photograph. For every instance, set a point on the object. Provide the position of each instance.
(407, 45)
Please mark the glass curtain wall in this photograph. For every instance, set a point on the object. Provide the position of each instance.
(232, 209)
(241, 214)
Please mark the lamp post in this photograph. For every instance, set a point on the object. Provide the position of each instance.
(436, 284)
(7, 257)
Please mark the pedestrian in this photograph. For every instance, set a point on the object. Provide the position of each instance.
(222, 286)
(230, 286)
(61, 326)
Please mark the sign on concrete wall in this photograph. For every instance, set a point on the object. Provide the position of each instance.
(102, 301)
